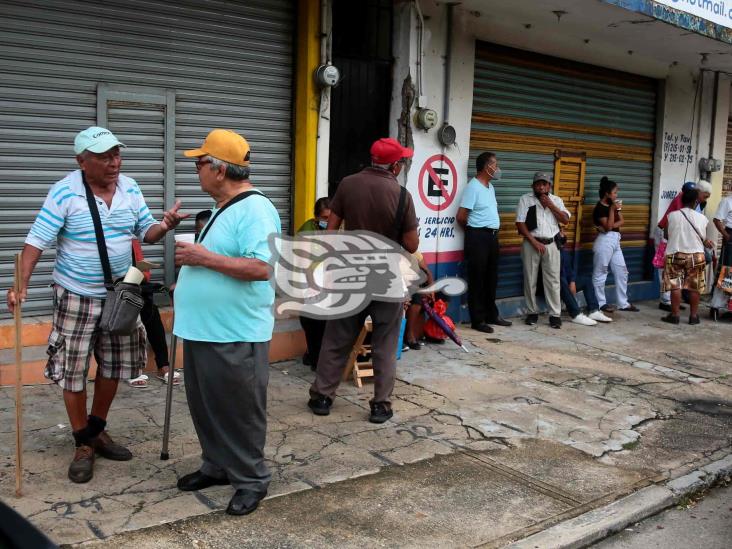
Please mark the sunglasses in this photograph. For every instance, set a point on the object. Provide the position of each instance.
(201, 163)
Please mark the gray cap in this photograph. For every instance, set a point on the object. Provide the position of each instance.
(543, 176)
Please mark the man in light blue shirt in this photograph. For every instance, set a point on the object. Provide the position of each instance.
(224, 314)
(478, 215)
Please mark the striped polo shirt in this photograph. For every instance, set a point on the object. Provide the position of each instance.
(65, 220)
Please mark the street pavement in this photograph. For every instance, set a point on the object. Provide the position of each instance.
(706, 524)
(532, 427)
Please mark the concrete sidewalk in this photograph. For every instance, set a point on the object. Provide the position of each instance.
(532, 427)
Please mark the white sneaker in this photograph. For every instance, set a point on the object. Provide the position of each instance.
(600, 317)
(584, 320)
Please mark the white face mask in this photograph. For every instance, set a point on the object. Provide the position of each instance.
(322, 224)
(496, 175)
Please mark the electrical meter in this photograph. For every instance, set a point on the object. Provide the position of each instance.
(426, 119)
(327, 76)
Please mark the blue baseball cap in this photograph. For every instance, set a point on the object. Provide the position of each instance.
(689, 185)
(96, 140)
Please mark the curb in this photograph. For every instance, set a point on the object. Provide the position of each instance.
(600, 523)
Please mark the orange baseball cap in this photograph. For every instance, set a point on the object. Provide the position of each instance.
(225, 145)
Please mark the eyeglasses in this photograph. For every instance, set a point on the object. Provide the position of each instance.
(201, 163)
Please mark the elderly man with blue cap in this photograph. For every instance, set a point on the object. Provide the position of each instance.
(66, 221)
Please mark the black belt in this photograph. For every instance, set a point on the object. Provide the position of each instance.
(484, 229)
(544, 240)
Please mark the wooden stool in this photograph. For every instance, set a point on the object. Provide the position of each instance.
(353, 366)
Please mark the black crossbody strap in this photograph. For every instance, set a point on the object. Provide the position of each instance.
(399, 219)
(99, 233)
(238, 198)
(693, 227)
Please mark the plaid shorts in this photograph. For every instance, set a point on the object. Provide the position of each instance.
(75, 334)
(685, 272)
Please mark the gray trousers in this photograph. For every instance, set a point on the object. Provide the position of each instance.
(550, 267)
(226, 387)
(340, 336)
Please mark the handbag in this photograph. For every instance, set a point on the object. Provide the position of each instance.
(724, 282)
(659, 260)
(124, 301)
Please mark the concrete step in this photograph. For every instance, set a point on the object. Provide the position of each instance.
(288, 342)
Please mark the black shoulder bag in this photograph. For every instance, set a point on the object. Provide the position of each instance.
(124, 301)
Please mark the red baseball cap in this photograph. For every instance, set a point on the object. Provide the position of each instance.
(388, 150)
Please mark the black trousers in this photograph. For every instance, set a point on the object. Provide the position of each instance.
(150, 316)
(481, 256)
(314, 330)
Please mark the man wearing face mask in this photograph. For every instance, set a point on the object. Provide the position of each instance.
(538, 216)
(478, 215)
(370, 200)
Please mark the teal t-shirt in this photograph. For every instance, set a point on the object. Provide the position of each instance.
(481, 201)
(210, 306)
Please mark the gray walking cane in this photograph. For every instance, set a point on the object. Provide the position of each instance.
(169, 394)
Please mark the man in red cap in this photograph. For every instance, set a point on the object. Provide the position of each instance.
(370, 200)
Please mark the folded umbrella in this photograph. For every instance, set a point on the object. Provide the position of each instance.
(449, 332)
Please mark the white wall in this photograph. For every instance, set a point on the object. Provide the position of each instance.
(679, 148)
(436, 237)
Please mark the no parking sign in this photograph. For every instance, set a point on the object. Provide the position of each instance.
(437, 182)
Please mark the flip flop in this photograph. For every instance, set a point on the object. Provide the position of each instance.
(164, 378)
(139, 382)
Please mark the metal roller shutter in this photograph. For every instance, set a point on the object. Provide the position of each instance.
(526, 106)
(225, 64)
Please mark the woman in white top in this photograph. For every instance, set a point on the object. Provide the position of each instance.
(685, 264)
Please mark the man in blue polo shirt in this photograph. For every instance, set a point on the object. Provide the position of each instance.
(224, 314)
(478, 215)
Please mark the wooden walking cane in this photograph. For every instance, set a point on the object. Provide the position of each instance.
(18, 379)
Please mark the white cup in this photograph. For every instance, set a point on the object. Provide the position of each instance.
(134, 276)
(190, 238)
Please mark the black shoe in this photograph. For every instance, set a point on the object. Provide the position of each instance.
(320, 405)
(630, 308)
(671, 319)
(501, 322)
(199, 481)
(414, 345)
(380, 412)
(555, 322)
(694, 320)
(531, 320)
(104, 446)
(608, 308)
(244, 502)
(82, 466)
(483, 327)
(306, 360)
(665, 307)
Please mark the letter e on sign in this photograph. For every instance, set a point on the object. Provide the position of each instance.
(437, 182)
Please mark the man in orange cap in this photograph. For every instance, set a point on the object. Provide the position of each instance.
(223, 314)
(370, 200)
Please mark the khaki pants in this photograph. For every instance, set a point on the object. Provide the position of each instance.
(550, 264)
